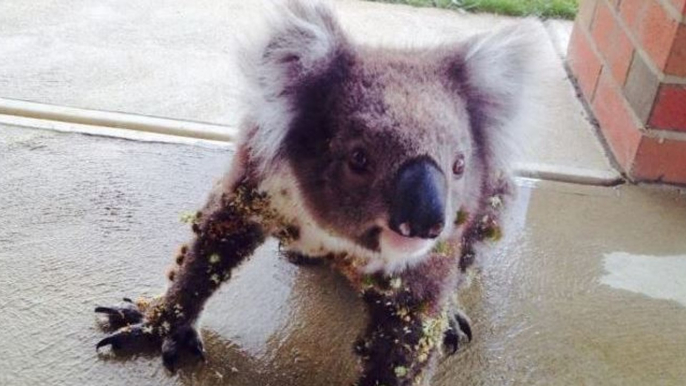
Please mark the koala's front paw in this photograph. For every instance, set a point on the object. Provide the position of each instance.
(459, 332)
(135, 332)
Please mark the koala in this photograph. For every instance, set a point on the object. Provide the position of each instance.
(390, 164)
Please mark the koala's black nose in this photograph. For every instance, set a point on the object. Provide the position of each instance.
(418, 201)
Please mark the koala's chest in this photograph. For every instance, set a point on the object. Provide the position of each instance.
(305, 237)
(288, 219)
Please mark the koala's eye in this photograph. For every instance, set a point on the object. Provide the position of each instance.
(458, 166)
(358, 161)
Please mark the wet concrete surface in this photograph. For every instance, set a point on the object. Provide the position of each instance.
(567, 298)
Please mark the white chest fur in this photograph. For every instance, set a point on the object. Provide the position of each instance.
(314, 240)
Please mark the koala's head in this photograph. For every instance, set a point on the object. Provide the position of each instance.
(386, 145)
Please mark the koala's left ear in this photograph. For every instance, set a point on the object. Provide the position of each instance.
(495, 70)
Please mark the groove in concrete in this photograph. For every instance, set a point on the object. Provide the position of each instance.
(115, 120)
(154, 129)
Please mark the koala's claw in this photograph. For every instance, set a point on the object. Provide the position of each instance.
(302, 260)
(129, 336)
(127, 321)
(186, 338)
(125, 315)
(459, 331)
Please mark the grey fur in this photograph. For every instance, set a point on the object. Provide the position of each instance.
(318, 90)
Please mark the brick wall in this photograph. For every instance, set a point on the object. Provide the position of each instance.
(629, 58)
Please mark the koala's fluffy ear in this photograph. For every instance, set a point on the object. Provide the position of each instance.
(301, 42)
(302, 45)
(496, 74)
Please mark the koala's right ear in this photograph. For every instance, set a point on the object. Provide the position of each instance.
(303, 41)
(302, 44)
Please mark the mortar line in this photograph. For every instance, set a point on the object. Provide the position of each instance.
(672, 10)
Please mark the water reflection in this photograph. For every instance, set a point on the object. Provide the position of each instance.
(660, 277)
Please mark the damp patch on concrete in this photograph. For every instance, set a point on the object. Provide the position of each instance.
(659, 277)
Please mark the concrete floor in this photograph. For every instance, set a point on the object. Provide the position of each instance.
(174, 59)
(588, 288)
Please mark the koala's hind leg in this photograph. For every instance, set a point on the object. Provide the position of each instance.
(226, 233)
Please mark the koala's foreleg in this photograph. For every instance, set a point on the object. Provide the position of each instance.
(408, 320)
(227, 231)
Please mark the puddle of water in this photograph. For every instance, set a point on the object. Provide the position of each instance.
(662, 277)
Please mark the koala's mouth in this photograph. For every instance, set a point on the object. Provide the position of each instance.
(395, 243)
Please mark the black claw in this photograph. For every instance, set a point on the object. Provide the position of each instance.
(451, 341)
(169, 354)
(107, 341)
(459, 328)
(105, 310)
(121, 316)
(197, 350)
(189, 339)
(200, 353)
(464, 324)
(302, 260)
(128, 300)
(136, 336)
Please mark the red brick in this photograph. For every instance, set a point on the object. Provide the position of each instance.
(603, 27)
(620, 56)
(669, 112)
(585, 15)
(680, 5)
(584, 62)
(631, 11)
(612, 42)
(656, 31)
(676, 63)
(662, 161)
(616, 122)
